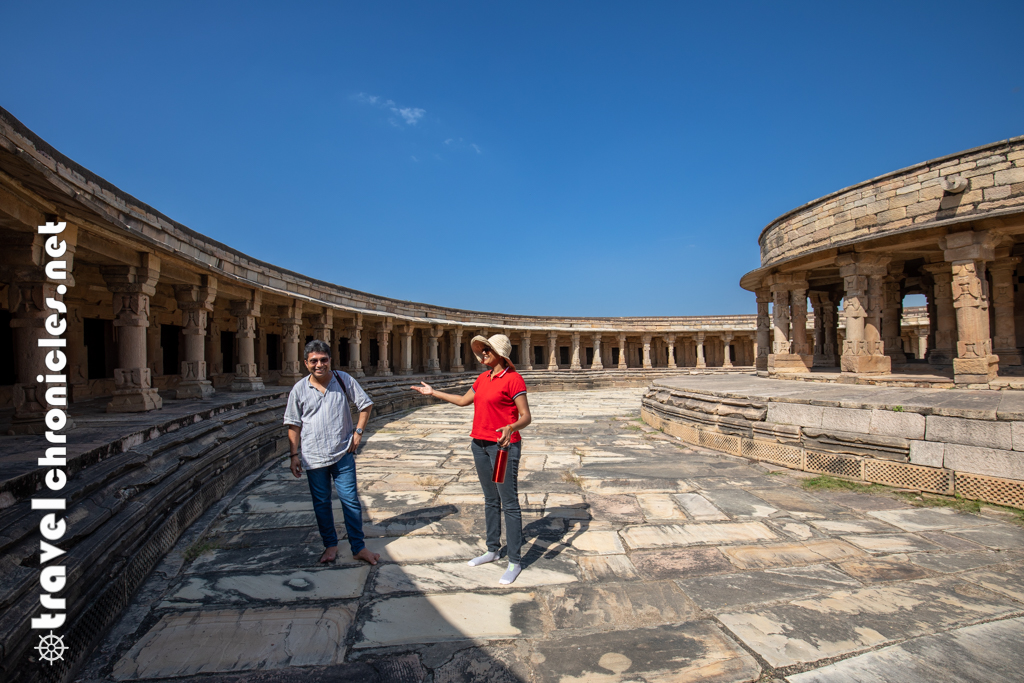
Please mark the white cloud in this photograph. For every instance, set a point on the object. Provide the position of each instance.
(410, 114)
(477, 149)
(448, 141)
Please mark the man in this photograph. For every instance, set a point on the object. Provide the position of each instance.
(319, 419)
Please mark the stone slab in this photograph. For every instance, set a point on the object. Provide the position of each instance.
(791, 554)
(692, 652)
(446, 577)
(731, 590)
(851, 526)
(929, 519)
(984, 652)
(425, 548)
(891, 568)
(324, 584)
(699, 508)
(950, 563)
(451, 616)
(596, 542)
(891, 543)
(267, 558)
(795, 501)
(739, 503)
(678, 563)
(1002, 537)
(659, 506)
(1008, 581)
(845, 622)
(983, 433)
(670, 535)
(607, 568)
(190, 643)
(615, 508)
(637, 604)
(991, 462)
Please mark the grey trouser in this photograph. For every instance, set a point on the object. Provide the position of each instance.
(498, 497)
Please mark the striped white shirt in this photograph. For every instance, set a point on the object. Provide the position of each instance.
(326, 419)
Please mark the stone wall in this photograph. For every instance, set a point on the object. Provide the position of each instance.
(936, 443)
(909, 199)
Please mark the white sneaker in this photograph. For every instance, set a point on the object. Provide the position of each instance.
(483, 559)
(510, 574)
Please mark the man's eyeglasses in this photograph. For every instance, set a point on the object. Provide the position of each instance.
(319, 361)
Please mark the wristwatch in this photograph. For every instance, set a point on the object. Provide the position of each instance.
(359, 431)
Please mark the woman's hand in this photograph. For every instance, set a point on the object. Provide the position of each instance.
(426, 389)
(506, 436)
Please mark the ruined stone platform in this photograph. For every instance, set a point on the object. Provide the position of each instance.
(647, 559)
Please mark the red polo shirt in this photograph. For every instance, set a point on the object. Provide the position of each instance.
(494, 404)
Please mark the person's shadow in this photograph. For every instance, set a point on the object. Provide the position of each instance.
(549, 532)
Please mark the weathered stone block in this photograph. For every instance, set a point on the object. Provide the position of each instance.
(846, 419)
(795, 414)
(781, 433)
(889, 423)
(1009, 176)
(1017, 432)
(991, 461)
(983, 433)
(928, 453)
(856, 443)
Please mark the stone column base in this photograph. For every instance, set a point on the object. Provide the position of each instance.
(135, 401)
(866, 365)
(356, 372)
(552, 367)
(458, 368)
(201, 389)
(789, 362)
(289, 379)
(247, 384)
(405, 371)
(975, 370)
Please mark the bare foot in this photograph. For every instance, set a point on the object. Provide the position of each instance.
(366, 556)
(329, 555)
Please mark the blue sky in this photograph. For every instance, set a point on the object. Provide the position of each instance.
(566, 158)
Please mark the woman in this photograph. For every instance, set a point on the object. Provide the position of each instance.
(500, 410)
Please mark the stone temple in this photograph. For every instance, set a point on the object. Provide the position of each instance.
(669, 534)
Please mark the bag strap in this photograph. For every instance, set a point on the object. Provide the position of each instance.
(344, 388)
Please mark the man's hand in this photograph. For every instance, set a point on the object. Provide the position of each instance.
(296, 466)
(357, 439)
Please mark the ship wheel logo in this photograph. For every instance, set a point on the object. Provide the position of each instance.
(51, 648)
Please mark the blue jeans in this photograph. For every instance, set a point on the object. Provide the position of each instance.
(499, 497)
(343, 473)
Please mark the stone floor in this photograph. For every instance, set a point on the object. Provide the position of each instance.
(645, 561)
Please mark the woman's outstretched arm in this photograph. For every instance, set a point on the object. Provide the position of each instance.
(460, 401)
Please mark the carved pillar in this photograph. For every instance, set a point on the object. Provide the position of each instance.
(645, 339)
(383, 332)
(78, 354)
(967, 253)
(892, 314)
(701, 363)
(291, 331)
(763, 332)
(131, 287)
(196, 303)
(433, 362)
(1004, 340)
(862, 280)
(456, 337)
(322, 323)
(670, 341)
(798, 316)
(726, 341)
(575, 362)
(826, 324)
(552, 350)
(405, 356)
(597, 363)
(526, 351)
(355, 344)
(247, 377)
(780, 320)
(943, 349)
(623, 363)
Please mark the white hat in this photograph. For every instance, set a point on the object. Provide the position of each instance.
(499, 343)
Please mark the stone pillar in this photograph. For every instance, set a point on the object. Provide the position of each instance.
(526, 351)
(291, 334)
(575, 363)
(967, 253)
(670, 341)
(27, 295)
(892, 314)
(826, 324)
(383, 332)
(247, 377)
(623, 363)
(1004, 340)
(780, 320)
(433, 362)
(355, 346)
(943, 349)
(597, 364)
(727, 356)
(456, 336)
(196, 303)
(405, 363)
(646, 340)
(322, 324)
(552, 350)
(763, 337)
(701, 363)
(131, 287)
(798, 316)
(862, 280)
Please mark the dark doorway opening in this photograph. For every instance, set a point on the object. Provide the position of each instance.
(538, 355)
(342, 352)
(227, 350)
(374, 353)
(170, 342)
(273, 352)
(514, 357)
(590, 356)
(615, 355)
(563, 355)
(7, 375)
(100, 352)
